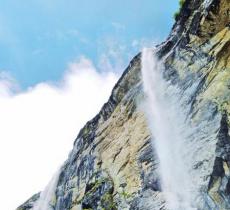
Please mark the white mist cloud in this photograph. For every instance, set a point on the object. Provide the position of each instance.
(38, 127)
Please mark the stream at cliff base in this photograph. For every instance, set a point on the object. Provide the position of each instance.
(166, 120)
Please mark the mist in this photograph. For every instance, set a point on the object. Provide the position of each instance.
(39, 125)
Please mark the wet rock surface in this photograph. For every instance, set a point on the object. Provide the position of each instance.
(99, 193)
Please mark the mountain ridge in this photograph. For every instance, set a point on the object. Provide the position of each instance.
(113, 165)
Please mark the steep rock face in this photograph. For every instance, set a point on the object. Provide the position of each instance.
(200, 58)
(113, 165)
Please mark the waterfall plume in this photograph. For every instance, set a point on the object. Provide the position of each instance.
(166, 119)
(48, 195)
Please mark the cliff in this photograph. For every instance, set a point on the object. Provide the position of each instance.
(113, 164)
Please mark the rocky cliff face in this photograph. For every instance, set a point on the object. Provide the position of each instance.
(113, 165)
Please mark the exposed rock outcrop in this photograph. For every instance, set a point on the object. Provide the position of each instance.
(113, 165)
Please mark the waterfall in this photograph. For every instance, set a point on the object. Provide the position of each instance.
(166, 119)
(47, 197)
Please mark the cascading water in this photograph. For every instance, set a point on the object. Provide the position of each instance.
(166, 120)
(47, 196)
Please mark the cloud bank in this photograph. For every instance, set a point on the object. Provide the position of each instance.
(38, 126)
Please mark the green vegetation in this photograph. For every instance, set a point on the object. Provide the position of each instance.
(126, 195)
(176, 14)
(181, 3)
(224, 107)
(107, 202)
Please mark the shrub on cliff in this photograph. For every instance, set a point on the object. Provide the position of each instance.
(176, 14)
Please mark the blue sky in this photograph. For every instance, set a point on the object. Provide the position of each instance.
(38, 38)
(65, 56)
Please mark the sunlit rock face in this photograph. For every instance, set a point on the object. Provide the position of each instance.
(113, 164)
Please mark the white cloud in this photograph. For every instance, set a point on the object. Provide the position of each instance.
(113, 54)
(8, 86)
(118, 26)
(38, 127)
(63, 35)
(139, 44)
